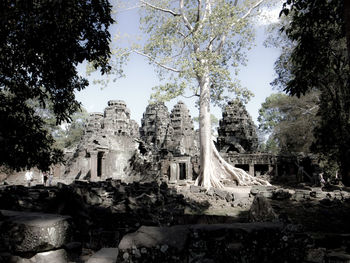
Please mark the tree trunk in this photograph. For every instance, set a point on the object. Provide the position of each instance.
(207, 177)
(213, 168)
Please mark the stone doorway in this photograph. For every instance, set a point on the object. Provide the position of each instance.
(182, 172)
(99, 163)
(261, 169)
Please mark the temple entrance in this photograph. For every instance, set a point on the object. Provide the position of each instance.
(182, 174)
(99, 164)
(245, 167)
(261, 169)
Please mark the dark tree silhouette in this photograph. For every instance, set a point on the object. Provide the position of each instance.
(41, 43)
(320, 62)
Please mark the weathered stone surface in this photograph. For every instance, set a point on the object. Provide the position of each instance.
(107, 146)
(155, 125)
(181, 139)
(237, 132)
(53, 256)
(237, 242)
(104, 255)
(281, 194)
(338, 257)
(34, 232)
(151, 237)
(316, 255)
(261, 210)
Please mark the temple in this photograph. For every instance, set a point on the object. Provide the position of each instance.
(165, 147)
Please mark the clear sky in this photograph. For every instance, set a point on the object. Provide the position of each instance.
(136, 87)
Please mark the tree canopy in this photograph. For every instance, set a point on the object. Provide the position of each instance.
(195, 46)
(41, 43)
(319, 61)
(289, 121)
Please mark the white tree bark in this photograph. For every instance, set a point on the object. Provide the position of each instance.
(213, 168)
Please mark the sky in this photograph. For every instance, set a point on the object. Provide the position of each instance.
(140, 77)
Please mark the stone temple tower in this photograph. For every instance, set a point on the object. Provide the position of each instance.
(155, 125)
(237, 131)
(182, 138)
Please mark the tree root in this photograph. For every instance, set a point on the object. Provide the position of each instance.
(219, 170)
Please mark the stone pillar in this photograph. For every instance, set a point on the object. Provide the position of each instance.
(251, 169)
(174, 170)
(270, 168)
(93, 166)
(189, 170)
(103, 167)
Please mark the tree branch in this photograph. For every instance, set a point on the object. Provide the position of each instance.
(223, 37)
(199, 7)
(156, 62)
(251, 9)
(160, 9)
(188, 97)
(184, 18)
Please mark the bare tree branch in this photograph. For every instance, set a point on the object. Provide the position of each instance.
(160, 9)
(188, 97)
(199, 7)
(156, 62)
(184, 18)
(250, 10)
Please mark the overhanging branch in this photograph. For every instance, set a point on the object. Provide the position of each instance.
(160, 8)
(156, 62)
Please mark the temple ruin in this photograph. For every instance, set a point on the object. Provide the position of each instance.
(165, 147)
(106, 147)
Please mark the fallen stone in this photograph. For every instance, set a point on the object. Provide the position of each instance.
(150, 237)
(338, 256)
(316, 255)
(280, 194)
(34, 232)
(220, 193)
(261, 210)
(104, 255)
(195, 189)
(53, 256)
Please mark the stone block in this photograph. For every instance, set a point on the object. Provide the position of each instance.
(54, 256)
(261, 210)
(195, 189)
(151, 237)
(23, 232)
(104, 255)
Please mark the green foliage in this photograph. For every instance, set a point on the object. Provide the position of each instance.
(201, 38)
(319, 61)
(289, 121)
(70, 135)
(41, 43)
(66, 135)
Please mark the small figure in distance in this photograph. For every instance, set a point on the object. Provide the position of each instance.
(29, 177)
(50, 178)
(44, 178)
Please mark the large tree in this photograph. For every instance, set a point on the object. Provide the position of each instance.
(289, 121)
(319, 61)
(41, 43)
(194, 44)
